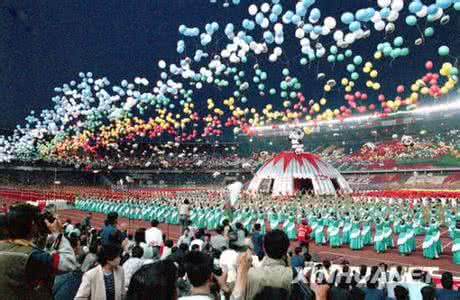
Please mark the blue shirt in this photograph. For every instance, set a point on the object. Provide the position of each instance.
(257, 241)
(107, 231)
(444, 294)
(374, 294)
(109, 286)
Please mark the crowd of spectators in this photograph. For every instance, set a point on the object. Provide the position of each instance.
(46, 258)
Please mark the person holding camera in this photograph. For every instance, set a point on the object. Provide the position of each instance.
(206, 280)
(27, 270)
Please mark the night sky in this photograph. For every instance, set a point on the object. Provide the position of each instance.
(44, 44)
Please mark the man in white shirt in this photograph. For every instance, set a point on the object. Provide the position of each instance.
(414, 285)
(154, 237)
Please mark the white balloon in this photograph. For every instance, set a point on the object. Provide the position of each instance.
(393, 16)
(423, 12)
(265, 7)
(390, 28)
(350, 38)
(278, 51)
(162, 64)
(278, 27)
(439, 14)
(272, 57)
(330, 22)
(304, 42)
(338, 35)
(397, 5)
(379, 26)
(325, 30)
(383, 3)
(265, 23)
(313, 35)
(299, 33)
(252, 9)
(376, 17)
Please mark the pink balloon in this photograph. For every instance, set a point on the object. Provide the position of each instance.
(400, 89)
(381, 98)
(429, 65)
(364, 96)
(358, 94)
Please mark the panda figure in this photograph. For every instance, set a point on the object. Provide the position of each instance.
(296, 137)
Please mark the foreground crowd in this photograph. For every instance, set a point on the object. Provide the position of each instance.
(335, 221)
(43, 259)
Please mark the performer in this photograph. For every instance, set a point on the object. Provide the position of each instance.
(356, 242)
(404, 244)
(430, 247)
(319, 231)
(456, 243)
(333, 232)
(379, 242)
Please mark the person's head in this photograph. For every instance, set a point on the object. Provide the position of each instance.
(362, 270)
(401, 293)
(307, 257)
(239, 226)
(326, 264)
(157, 279)
(154, 223)
(137, 252)
(112, 218)
(90, 215)
(428, 293)
(417, 275)
(276, 244)
(304, 222)
(109, 255)
(198, 267)
(169, 243)
(139, 235)
(186, 231)
(225, 222)
(124, 227)
(186, 202)
(195, 248)
(183, 247)
(74, 241)
(447, 280)
(257, 227)
(23, 221)
(297, 250)
(220, 230)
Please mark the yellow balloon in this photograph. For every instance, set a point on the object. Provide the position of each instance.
(327, 88)
(344, 81)
(444, 90)
(376, 86)
(352, 84)
(378, 55)
(368, 65)
(348, 89)
(366, 69)
(323, 101)
(424, 90)
(444, 71)
(374, 73)
(369, 83)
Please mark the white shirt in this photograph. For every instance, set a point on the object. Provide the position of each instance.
(130, 267)
(154, 237)
(166, 252)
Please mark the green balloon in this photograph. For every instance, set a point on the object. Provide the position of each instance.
(293, 95)
(453, 71)
(340, 57)
(283, 85)
(348, 53)
(429, 31)
(357, 60)
(261, 87)
(354, 75)
(303, 61)
(284, 94)
(398, 41)
(350, 68)
(411, 20)
(443, 51)
(404, 51)
(331, 58)
(333, 49)
(272, 91)
(285, 72)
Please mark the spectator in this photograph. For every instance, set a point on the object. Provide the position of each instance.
(197, 241)
(239, 242)
(185, 238)
(401, 293)
(199, 269)
(31, 268)
(257, 241)
(154, 281)
(184, 213)
(139, 239)
(372, 292)
(428, 293)
(356, 292)
(167, 249)
(154, 238)
(341, 292)
(297, 261)
(447, 292)
(124, 231)
(86, 223)
(133, 264)
(218, 240)
(415, 285)
(179, 255)
(107, 280)
(274, 270)
(394, 280)
(109, 229)
(91, 258)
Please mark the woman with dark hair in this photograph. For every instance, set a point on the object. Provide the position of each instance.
(157, 279)
(139, 239)
(107, 280)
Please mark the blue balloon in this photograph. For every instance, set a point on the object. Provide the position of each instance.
(236, 2)
(300, 9)
(259, 18)
(268, 37)
(347, 18)
(296, 19)
(415, 6)
(444, 4)
(432, 9)
(385, 12)
(317, 29)
(361, 14)
(277, 9)
(315, 14)
(273, 18)
(354, 26)
(308, 28)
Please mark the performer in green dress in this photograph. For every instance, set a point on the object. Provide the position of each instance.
(319, 231)
(379, 242)
(289, 228)
(456, 243)
(404, 244)
(333, 233)
(430, 247)
(356, 242)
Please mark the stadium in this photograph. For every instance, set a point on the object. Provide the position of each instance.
(278, 153)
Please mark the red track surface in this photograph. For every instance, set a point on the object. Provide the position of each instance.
(366, 256)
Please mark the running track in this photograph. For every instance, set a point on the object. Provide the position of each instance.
(366, 256)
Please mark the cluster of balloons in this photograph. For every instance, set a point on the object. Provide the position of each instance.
(91, 118)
